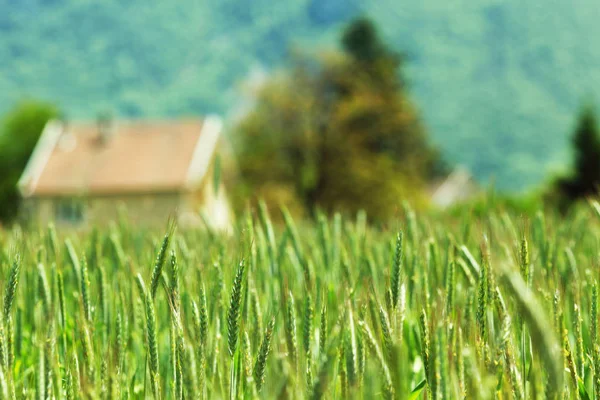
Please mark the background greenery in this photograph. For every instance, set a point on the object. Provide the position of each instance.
(19, 132)
(338, 132)
(498, 82)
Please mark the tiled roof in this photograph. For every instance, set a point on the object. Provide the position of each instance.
(136, 156)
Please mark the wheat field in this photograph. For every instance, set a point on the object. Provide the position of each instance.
(497, 306)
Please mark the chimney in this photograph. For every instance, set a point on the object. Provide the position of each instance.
(106, 127)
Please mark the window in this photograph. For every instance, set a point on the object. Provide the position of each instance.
(70, 210)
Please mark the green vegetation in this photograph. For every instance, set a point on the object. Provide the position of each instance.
(19, 133)
(338, 132)
(426, 307)
(585, 178)
(498, 83)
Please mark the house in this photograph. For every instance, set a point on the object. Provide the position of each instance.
(82, 172)
(459, 186)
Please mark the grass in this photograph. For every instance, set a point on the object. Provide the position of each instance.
(501, 306)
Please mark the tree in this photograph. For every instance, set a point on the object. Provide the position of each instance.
(338, 131)
(19, 132)
(361, 42)
(585, 177)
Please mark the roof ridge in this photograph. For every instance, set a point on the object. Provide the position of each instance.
(39, 157)
(204, 150)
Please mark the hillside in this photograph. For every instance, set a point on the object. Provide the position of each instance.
(498, 82)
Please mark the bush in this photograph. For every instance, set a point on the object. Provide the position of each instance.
(19, 133)
(585, 177)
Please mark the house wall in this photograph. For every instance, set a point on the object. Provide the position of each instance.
(214, 206)
(146, 209)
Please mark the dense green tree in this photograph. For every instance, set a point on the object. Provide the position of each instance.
(362, 42)
(19, 132)
(338, 131)
(585, 178)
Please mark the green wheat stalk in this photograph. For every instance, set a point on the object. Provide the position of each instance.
(233, 314)
(11, 286)
(159, 263)
(260, 365)
(152, 347)
(396, 270)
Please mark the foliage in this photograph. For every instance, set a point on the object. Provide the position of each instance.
(491, 200)
(19, 132)
(585, 177)
(339, 130)
(485, 307)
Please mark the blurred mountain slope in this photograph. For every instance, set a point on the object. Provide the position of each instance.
(498, 82)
